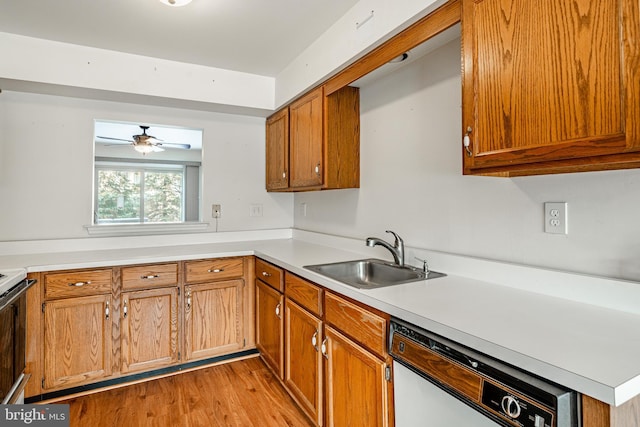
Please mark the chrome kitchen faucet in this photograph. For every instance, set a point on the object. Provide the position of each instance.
(397, 250)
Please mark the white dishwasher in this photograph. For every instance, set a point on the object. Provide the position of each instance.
(419, 403)
(440, 383)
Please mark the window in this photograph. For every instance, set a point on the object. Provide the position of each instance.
(159, 186)
(139, 194)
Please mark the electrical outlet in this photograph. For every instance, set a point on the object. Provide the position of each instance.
(555, 218)
(216, 211)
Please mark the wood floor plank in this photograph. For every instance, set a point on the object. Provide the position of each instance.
(238, 394)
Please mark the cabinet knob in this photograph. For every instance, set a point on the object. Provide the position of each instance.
(106, 310)
(317, 169)
(323, 348)
(284, 175)
(189, 300)
(278, 310)
(466, 141)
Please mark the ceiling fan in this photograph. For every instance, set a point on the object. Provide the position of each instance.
(145, 143)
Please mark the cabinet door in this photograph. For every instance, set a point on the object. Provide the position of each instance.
(77, 340)
(550, 84)
(270, 327)
(303, 373)
(213, 319)
(149, 329)
(277, 151)
(358, 393)
(306, 140)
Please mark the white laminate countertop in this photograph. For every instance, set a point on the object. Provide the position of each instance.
(591, 349)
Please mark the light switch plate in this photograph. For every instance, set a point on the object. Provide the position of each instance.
(255, 209)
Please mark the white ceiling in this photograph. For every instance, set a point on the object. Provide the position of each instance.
(254, 36)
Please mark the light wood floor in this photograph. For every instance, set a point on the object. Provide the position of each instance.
(242, 394)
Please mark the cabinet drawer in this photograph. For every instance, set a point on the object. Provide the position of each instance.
(77, 283)
(214, 269)
(364, 326)
(270, 274)
(304, 293)
(149, 276)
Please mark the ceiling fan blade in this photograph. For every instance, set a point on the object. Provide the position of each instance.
(175, 144)
(113, 139)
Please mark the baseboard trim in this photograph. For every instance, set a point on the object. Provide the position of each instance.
(137, 378)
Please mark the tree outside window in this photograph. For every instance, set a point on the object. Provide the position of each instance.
(129, 194)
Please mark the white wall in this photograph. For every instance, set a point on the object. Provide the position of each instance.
(46, 65)
(365, 26)
(411, 182)
(46, 164)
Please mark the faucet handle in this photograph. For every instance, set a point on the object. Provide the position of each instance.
(398, 238)
(425, 266)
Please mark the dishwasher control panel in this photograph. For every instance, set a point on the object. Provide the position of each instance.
(514, 407)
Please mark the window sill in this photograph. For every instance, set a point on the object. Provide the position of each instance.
(143, 229)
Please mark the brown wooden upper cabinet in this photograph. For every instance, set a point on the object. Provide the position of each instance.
(314, 143)
(550, 86)
(277, 151)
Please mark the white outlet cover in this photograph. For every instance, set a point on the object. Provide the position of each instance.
(555, 218)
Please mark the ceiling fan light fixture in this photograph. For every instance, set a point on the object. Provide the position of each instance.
(143, 148)
(176, 3)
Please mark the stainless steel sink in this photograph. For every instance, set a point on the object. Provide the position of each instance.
(371, 273)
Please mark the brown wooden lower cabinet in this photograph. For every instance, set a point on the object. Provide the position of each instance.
(213, 318)
(270, 327)
(149, 329)
(358, 392)
(303, 372)
(77, 340)
(90, 325)
(336, 379)
(600, 414)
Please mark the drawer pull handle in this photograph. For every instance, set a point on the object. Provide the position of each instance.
(278, 311)
(323, 348)
(215, 270)
(189, 300)
(124, 309)
(314, 341)
(106, 311)
(79, 284)
(150, 276)
(265, 274)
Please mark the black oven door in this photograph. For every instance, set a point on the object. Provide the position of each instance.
(13, 315)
